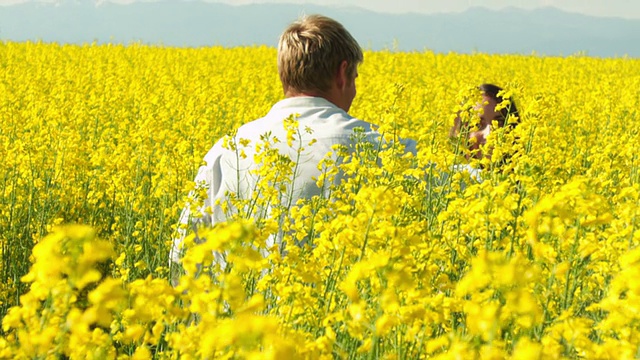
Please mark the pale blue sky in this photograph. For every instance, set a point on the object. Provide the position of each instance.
(611, 8)
(615, 8)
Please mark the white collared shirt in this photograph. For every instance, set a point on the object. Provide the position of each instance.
(226, 172)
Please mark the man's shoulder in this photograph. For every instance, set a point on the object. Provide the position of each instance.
(316, 117)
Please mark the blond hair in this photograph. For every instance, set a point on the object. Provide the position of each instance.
(310, 52)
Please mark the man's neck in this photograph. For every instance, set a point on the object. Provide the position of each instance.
(330, 95)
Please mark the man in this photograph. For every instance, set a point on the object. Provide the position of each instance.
(318, 65)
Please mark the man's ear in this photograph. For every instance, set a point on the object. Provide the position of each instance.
(342, 77)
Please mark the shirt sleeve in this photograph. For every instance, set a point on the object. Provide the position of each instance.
(189, 220)
(208, 177)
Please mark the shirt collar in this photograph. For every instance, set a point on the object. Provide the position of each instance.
(304, 102)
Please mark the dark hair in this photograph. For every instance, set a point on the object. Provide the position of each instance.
(511, 110)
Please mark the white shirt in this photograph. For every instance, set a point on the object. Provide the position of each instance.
(225, 172)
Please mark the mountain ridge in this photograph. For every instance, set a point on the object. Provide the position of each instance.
(546, 31)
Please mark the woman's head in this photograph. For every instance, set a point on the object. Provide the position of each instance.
(486, 109)
(491, 100)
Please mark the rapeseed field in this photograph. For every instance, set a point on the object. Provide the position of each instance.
(537, 258)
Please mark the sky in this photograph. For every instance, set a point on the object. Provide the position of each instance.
(609, 8)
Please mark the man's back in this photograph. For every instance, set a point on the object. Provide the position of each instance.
(320, 126)
(318, 63)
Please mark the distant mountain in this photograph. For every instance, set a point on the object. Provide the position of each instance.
(546, 31)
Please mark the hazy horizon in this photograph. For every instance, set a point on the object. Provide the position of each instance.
(546, 31)
(628, 9)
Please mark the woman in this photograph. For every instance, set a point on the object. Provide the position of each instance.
(506, 114)
(492, 107)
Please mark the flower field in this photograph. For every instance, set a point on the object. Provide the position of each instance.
(407, 259)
